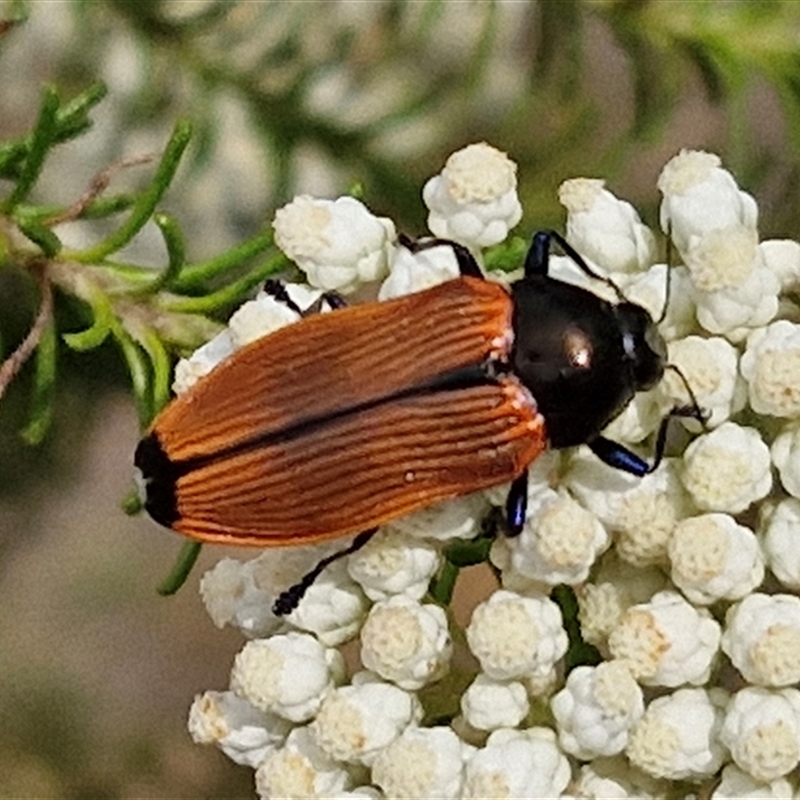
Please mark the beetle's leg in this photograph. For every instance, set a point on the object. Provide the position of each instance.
(333, 299)
(288, 601)
(619, 457)
(538, 257)
(275, 288)
(517, 505)
(467, 265)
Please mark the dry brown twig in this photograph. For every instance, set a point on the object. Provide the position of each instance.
(14, 363)
(98, 185)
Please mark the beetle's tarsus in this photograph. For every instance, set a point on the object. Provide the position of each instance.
(287, 601)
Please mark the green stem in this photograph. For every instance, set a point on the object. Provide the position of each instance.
(195, 275)
(228, 295)
(42, 138)
(180, 571)
(146, 203)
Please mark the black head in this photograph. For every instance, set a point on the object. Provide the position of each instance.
(582, 358)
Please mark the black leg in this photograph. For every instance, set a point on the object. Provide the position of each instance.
(288, 601)
(537, 260)
(467, 265)
(275, 288)
(517, 505)
(333, 299)
(619, 457)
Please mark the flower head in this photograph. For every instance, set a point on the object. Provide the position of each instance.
(337, 243)
(474, 199)
(372, 682)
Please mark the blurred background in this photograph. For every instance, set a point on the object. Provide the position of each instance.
(96, 670)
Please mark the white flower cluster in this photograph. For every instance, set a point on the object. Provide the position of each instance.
(687, 580)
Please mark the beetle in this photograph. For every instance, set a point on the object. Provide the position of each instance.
(341, 422)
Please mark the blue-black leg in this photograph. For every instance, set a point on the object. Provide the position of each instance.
(517, 505)
(467, 265)
(538, 257)
(288, 601)
(619, 457)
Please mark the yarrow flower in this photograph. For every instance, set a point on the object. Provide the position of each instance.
(646, 630)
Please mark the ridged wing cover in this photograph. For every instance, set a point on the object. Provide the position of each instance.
(329, 362)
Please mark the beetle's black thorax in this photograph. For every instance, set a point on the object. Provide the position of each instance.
(582, 358)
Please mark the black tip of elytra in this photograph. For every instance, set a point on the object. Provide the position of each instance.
(160, 476)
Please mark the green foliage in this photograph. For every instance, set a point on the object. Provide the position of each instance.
(147, 312)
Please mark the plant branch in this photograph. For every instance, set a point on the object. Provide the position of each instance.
(14, 363)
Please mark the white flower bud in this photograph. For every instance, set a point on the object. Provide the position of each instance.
(762, 731)
(460, 518)
(771, 367)
(785, 454)
(780, 531)
(605, 229)
(615, 778)
(189, 370)
(638, 419)
(241, 731)
(738, 785)
(714, 558)
(727, 469)
(288, 675)
(558, 544)
(648, 290)
(242, 594)
(392, 563)
(641, 511)
(422, 763)
(406, 643)
(514, 636)
(710, 368)
(517, 763)
(474, 199)
(413, 272)
(782, 258)
(488, 704)
(596, 710)
(762, 639)
(666, 641)
(700, 196)
(616, 587)
(724, 258)
(678, 736)
(735, 310)
(337, 243)
(265, 314)
(232, 596)
(332, 608)
(356, 722)
(300, 769)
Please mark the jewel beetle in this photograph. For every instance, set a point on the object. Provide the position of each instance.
(341, 422)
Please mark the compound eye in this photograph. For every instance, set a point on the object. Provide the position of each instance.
(650, 359)
(655, 341)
